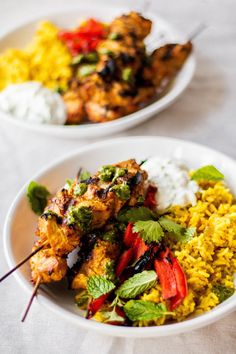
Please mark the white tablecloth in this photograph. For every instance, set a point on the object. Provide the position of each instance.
(204, 114)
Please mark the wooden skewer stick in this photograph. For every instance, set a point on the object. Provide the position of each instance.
(23, 261)
(34, 293)
(201, 27)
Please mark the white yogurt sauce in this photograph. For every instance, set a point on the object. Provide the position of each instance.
(171, 178)
(33, 103)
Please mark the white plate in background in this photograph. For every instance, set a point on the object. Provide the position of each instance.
(162, 32)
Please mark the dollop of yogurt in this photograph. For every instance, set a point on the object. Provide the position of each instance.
(33, 103)
(174, 186)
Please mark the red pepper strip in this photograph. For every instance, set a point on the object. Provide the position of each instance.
(133, 240)
(95, 305)
(124, 261)
(167, 278)
(150, 199)
(130, 236)
(181, 283)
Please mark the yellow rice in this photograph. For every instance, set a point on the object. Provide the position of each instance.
(46, 60)
(209, 258)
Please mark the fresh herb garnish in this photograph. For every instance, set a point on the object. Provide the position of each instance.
(68, 184)
(86, 69)
(98, 285)
(81, 216)
(114, 36)
(207, 173)
(181, 233)
(110, 236)
(140, 310)
(82, 299)
(135, 214)
(110, 270)
(84, 175)
(120, 172)
(122, 191)
(80, 189)
(150, 231)
(137, 284)
(37, 196)
(107, 173)
(127, 75)
(222, 292)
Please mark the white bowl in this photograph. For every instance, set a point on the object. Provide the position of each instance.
(162, 32)
(21, 223)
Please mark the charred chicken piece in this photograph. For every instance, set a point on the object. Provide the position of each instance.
(166, 62)
(75, 107)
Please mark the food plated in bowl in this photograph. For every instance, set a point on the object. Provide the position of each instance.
(103, 71)
(159, 262)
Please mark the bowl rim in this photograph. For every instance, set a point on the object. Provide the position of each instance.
(90, 128)
(118, 331)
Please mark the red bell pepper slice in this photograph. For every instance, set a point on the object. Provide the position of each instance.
(150, 199)
(124, 261)
(133, 240)
(181, 282)
(95, 305)
(167, 278)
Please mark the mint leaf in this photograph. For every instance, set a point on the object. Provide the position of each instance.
(181, 233)
(112, 316)
(150, 231)
(98, 285)
(138, 284)
(140, 310)
(222, 292)
(135, 214)
(37, 196)
(207, 173)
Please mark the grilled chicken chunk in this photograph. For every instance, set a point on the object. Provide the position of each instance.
(68, 216)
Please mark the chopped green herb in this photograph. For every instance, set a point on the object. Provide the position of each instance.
(77, 59)
(59, 90)
(140, 310)
(82, 299)
(137, 284)
(37, 196)
(110, 270)
(135, 214)
(150, 231)
(80, 189)
(68, 184)
(223, 292)
(207, 173)
(114, 36)
(120, 172)
(81, 216)
(86, 69)
(127, 75)
(110, 236)
(98, 285)
(122, 191)
(84, 175)
(141, 199)
(105, 51)
(107, 173)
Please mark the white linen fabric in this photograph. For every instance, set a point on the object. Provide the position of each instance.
(205, 114)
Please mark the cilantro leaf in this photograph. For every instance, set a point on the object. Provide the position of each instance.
(150, 231)
(137, 284)
(37, 196)
(135, 214)
(98, 285)
(223, 292)
(207, 173)
(181, 233)
(140, 310)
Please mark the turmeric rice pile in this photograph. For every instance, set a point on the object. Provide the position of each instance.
(46, 60)
(208, 260)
